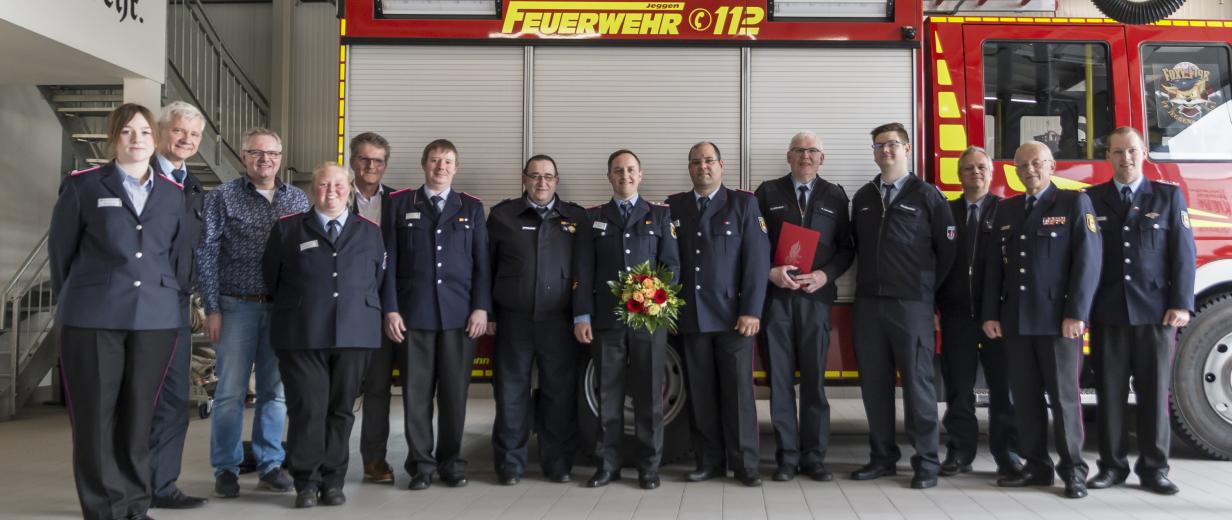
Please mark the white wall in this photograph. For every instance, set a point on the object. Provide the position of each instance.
(246, 31)
(314, 86)
(30, 150)
(136, 43)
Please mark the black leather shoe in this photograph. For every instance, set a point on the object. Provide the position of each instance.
(872, 471)
(704, 474)
(140, 516)
(177, 500)
(508, 479)
(1075, 488)
(602, 478)
(1010, 470)
(1106, 479)
(455, 480)
(648, 480)
(923, 481)
(819, 473)
(420, 482)
(306, 498)
(1158, 483)
(748, 478)
(560, 478)
(784, 473)
(1026, 478)
(951, 467)
(333, 497)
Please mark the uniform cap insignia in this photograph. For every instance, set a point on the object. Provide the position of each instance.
(1152, 215)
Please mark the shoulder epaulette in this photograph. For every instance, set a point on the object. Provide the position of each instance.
(503, 202)
(168, 179)
(87, 170)
(366, 219)
(289, 215)
(571, 203)
(596, 206)
(746, 192)
(677, 194)
(401, 191)
(477, 199)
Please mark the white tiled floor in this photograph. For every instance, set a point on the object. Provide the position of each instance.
(37, 483)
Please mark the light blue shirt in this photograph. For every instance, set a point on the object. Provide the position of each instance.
(1039, 196)
(898, 187)
(168, 167)
(1133, 188)
(551, 204)
(979, 206)
(808, 193)
(697, 197)
(341, 218)
(444, 195)
(138, 191)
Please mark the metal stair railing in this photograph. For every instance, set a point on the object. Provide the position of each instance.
(27, 311)
(212, 79)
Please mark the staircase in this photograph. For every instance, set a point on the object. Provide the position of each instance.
(200, 71)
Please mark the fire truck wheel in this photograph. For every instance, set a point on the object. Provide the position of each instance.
(1138, 12)
(1202, 379)
(676, 441)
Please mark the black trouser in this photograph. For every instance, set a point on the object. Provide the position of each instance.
(112, 380)
(170, 425)
(320, 386)
(630, 360)
(964, 348)
(722, 408)
(795, 336)
(521, 345)
(374, 423)
(1145, 353)
(898, 334)
(1047, 364)
(436, 364)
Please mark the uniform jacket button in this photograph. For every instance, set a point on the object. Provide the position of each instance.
(137, 283)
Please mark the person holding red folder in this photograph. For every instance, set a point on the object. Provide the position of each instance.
(807, 220)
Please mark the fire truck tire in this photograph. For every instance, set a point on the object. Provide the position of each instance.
(677, 444)
(1138, 12)
(1202, 380)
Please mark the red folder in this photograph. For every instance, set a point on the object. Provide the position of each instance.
(796, 247)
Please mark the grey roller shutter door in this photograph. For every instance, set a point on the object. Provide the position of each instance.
(656, 101)
(839, 94)
(469, 95)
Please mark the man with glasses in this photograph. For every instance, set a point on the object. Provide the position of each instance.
(238, 306)
(795, 334)
(723, 273)
(1038, 288)
(904, 236)
(1145, 293)
(532, 239)
(369, 158)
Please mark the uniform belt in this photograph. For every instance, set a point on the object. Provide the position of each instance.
(259, 298)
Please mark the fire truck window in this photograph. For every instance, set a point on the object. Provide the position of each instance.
(1187, 112)
(1055, 93)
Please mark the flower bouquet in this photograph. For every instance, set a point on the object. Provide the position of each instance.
(647, 300)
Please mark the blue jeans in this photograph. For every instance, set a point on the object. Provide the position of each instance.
(243, 342)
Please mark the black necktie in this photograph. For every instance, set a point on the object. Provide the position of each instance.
(542, 211)
(332, 230)
(436, 205)
(626, 208)
(702, 204)
(179, 174)
(1127, 196)
(889, 191)
(973, 223)
(803, 200)
(1030, 204)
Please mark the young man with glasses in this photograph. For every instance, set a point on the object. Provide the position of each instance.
(532, 240)
(905, 244)
(238, 305)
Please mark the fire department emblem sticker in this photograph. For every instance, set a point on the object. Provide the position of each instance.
(1091, 223)
(1185, 219)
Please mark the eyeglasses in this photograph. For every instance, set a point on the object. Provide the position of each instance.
(546, 178)
(257, 154)
(370, 161)
(1035, 165)
(709, 161)
(891, 144)
(810, 151)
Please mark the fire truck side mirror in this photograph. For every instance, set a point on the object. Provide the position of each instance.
(908, 32)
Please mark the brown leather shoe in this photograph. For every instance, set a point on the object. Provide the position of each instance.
(378, 472)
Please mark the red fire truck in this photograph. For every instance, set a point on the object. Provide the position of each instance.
(577, 79)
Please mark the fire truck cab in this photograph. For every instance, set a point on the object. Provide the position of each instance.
(579, 79)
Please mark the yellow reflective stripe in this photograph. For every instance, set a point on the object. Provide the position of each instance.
(1209, 224)
(1012, 180)
(953, 138)
(947, 105)
(1200, 213)
(1069, 184)
(949, 170)
(937, 39)
(951, 194)
(943, 73)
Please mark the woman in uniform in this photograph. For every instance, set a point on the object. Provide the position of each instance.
(112, 243)
(324, 268)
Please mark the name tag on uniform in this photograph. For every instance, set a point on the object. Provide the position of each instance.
(776, 208)
(826, 210)
(529, 228)
(308, 245)
(414, 215)
(601, 225)
(1005, 227)
(908, 208)
(112, 202)
(1101, 219)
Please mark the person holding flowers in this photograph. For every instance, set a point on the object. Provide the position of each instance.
(630, 241)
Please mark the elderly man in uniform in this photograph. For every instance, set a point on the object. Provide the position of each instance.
(532, 239)
(624, 233)
(179, 126)
(964, 347)
(436, 298)
(369, 159)
(723, 265)
(904, 235)
(1145, 293)
(1038, 288)
(796, 331)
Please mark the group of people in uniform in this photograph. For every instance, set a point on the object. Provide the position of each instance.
(324, 294)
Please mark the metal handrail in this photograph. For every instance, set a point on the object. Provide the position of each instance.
(29, 313)
(21, 271)
(214, 80)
